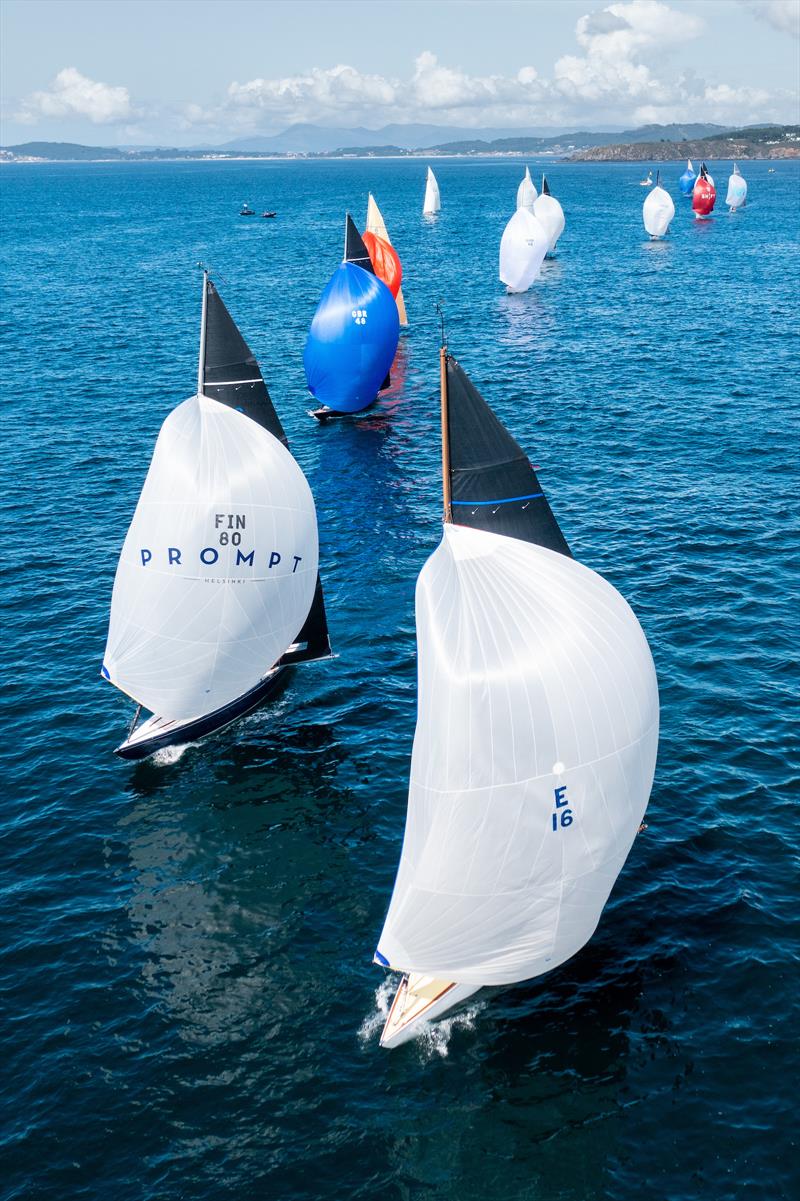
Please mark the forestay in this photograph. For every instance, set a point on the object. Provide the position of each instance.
(532, 764)
(522, 249)
(219, 566)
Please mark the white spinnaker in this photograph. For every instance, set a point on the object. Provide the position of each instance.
(188, 636)
(737, 189)
(658, 211)
(549, 212)
(536, 685)
(433, 201)
(526, 192)
(376, 225)
(522, 249)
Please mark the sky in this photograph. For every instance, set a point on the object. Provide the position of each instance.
(189, 72)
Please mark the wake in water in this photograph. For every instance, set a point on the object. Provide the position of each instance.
(433, 1038)
(170, 754)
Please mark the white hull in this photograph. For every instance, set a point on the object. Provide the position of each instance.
(420, 999)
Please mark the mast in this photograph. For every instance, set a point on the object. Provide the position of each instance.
(446, 484)
(201, 365)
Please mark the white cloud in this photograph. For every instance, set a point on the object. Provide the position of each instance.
(619, 71)
(614, 42)
(72, 94)
(295, 98)
(614, 75)
(783, 15)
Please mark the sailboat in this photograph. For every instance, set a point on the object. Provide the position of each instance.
(547, 210)
(433, 201)
(377, 226)
(353, 336)
(737, 190)
(704, 194)
(524, 244)
(536, 736)
(526, 192)
(658, 210)
(217, 589)
(686, 181)
(647, 183)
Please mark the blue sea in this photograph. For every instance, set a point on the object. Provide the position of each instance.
(188, 1004)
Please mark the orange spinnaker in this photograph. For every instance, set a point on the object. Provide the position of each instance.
(384, 260)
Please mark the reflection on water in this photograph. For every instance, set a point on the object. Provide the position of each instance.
(214, 860)
(527, 319)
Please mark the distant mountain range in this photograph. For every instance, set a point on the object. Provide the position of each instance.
(314, 141)
(318, 139)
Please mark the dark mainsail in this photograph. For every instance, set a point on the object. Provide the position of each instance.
(354, 249)
(232, 376)
(545, 186)
(492, 482)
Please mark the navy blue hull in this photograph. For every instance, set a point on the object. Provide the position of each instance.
(210, 723)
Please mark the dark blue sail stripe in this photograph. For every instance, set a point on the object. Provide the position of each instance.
(506, 500)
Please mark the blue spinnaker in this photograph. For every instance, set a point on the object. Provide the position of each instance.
(686, 181)
(352, 340)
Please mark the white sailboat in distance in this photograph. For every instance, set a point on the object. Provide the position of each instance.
(217, 589)
(526, 192)
(536, 736)
(658, 210)
(433, 201)
(523, 247)
(549, 212)
(737, 190)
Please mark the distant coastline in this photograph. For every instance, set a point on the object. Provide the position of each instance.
(762, 142)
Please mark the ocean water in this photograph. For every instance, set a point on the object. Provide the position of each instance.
(189, 1008)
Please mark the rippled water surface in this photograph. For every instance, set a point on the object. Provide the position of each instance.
(189, 1007)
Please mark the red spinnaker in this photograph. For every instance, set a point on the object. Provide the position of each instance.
(384, 260)
(703, 196)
